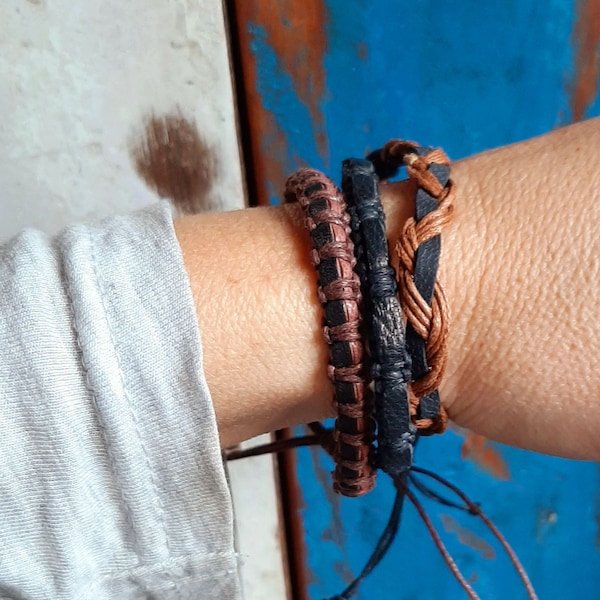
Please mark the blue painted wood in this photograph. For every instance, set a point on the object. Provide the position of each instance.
(467, 76)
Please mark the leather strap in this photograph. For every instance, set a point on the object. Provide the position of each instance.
(420, 254)
(391, 370)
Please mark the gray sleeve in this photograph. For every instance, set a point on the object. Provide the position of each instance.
(111, 478)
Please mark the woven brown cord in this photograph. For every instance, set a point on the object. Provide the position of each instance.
(339, 292)
(431, 323)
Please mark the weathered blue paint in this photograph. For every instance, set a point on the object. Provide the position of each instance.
(467, 76)
(277, 89)
(547, 510)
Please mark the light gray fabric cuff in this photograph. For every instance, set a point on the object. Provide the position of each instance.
(112, 479)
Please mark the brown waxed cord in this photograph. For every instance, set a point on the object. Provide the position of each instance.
(339, 292)
(435, 536)
(476, 510)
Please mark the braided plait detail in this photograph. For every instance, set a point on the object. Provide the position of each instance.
(429, 318)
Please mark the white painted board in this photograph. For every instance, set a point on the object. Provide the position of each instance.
(78, 83)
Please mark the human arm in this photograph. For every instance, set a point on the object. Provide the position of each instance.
(520, 266)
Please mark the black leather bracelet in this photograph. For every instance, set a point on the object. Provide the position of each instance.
(383, 317)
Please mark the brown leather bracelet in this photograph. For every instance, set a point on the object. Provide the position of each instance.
(328, 223)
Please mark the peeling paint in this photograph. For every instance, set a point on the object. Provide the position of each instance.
(468, 538)
(335, 532)
(342, 569)
(299, 575)
(274, 150)
(268, 143)
(362, 51)
(546, 519)
(296, 34)
(586, 38)
(300, 46)
(476, 448)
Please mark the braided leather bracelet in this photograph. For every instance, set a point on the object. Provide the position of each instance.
(422, 296)
(396, 434)
(339, 293)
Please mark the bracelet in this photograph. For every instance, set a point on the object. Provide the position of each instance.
(396, 433)
(421, 295)
(339, 292)
(404, 407)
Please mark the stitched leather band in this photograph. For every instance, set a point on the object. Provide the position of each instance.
(391, 370)
(421, 295)
(328, 222)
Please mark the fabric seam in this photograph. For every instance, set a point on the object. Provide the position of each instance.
(158, 504)
(164, 568)
(90, 388)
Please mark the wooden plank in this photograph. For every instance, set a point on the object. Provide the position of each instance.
(287, 35)
(107, 104)
(256, 494)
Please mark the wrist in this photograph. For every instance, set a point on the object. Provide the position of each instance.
(255, 294)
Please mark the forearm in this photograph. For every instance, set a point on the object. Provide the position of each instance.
(520, 270)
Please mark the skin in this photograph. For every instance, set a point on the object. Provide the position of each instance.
(521, 270)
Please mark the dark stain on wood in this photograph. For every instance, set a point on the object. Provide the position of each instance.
(586, 37)
(175, 161)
